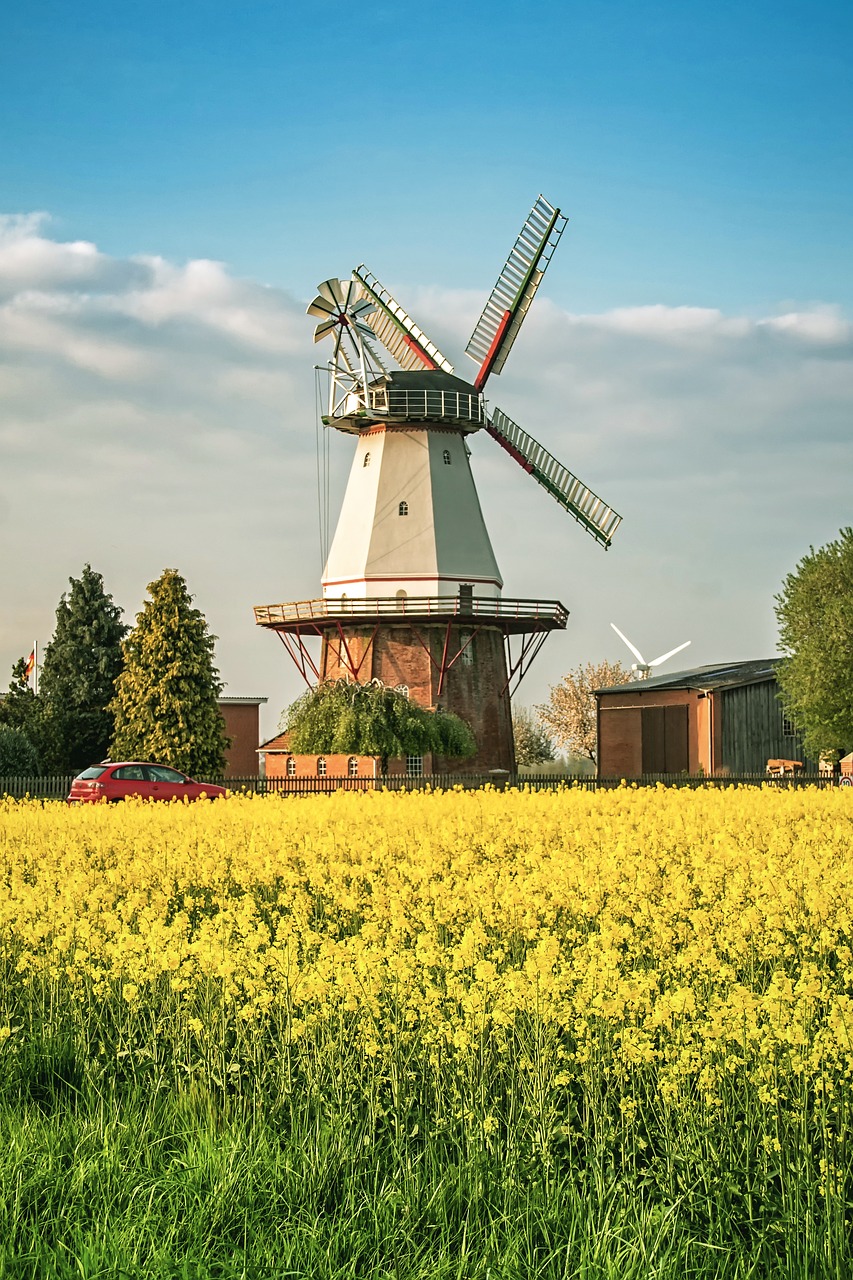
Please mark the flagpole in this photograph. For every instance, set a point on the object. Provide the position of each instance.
(35, 666)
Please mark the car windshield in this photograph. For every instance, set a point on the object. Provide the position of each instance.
(95, 772)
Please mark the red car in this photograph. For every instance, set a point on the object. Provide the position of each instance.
(133, 778)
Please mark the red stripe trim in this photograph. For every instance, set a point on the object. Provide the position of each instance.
(491, 354)
(418, 350)
(511, 449)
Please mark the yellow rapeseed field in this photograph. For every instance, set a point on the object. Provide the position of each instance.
(703, 932)
(638, 998)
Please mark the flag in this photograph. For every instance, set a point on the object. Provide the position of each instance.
(30, 666)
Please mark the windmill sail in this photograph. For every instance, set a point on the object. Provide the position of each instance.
(396, 330)
(579, 500)
(510, 300)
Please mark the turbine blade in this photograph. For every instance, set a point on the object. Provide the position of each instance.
(633, 648)
(664, 656)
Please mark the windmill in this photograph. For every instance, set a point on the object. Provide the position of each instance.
(411, 586)
(642, 669)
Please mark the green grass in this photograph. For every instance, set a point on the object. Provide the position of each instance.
(351, 1179)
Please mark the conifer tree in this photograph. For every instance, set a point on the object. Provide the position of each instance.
(78, 675)
(165, 704)
(19, 707)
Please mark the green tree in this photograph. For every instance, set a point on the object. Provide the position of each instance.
(77, 680)
(20, 709)
(815, 615)
(342, 718)
(532, 743)
(570, 714)
(166, 700)
(18, 756)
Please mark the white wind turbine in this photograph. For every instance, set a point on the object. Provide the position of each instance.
(641, 668)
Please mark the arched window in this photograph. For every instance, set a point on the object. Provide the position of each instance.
(290, 767)
(402, 688)
(344, 602)
(447, 457)
(366, 462)
(352, 766)
(321, 766)
(404, 508)
(401, 599)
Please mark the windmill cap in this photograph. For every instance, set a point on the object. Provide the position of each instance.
(430, 380)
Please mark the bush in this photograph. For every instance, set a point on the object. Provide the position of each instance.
(18, 756)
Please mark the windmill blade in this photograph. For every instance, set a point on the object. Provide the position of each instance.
(395, 329)
(657, 661)
(510, 300)
(332, 290)
(322, 307)
(633, 648)
(587, 508)
(328, 326)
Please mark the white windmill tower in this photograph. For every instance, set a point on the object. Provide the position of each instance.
(411, 587)
(642, 669)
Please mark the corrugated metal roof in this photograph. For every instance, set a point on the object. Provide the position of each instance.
(717, 675)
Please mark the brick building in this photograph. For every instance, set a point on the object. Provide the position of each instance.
(242, 726)
(719, 719)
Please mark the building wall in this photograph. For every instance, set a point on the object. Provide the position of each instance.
(472, 686)
(242, 726)
(752, 729)
(620, 728)
(730, 730)
(337, 766)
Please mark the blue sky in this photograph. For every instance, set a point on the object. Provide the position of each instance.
(690, 352)
(702, 151)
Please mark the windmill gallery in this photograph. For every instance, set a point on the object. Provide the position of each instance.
(411, 589)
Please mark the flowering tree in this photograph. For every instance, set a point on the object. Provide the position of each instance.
(570, 713)
(532, 743)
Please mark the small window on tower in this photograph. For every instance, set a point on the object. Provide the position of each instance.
(404, 508)
(466, 646)
(402, 688)
(366, 462)
(401, 599)
(447, 458)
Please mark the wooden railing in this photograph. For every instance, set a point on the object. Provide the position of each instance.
(481, 608)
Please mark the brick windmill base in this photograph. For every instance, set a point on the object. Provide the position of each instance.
(463, 655)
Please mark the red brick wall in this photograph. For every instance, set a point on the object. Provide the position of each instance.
(472, 685)
(242, 725)
(620, 742)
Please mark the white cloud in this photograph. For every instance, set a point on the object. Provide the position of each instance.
(154, 414)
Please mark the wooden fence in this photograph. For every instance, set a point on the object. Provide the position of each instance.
(57, 787)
